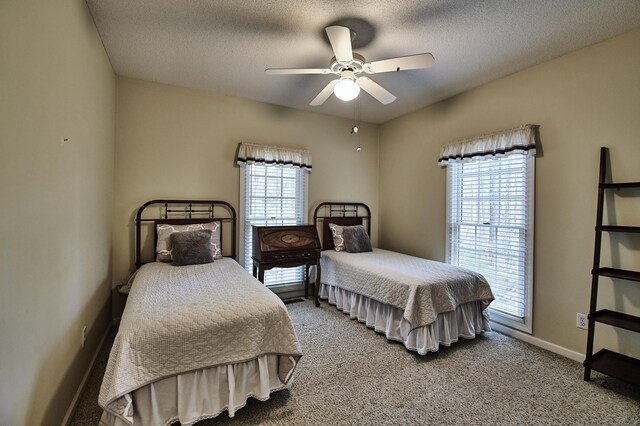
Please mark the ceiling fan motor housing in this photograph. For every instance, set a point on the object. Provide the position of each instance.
(356, 65)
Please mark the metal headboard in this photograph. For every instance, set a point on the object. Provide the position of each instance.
(340, 209)
(185, 212)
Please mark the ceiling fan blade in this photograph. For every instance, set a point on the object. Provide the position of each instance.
(276, 71)
(375, 90)
(411, 62)
(324, 94)
(340, 39)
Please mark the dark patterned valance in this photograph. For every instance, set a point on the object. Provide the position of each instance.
(249, 153)
(518, 140)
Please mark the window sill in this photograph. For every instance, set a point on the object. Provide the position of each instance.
(288, 291)
(506, 320)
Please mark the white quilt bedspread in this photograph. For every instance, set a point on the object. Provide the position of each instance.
(422, 288)
(180, 319)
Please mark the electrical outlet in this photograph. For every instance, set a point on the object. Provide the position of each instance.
(84, 335)
(582, 321)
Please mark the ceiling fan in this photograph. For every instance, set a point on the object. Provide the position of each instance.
(349, 65)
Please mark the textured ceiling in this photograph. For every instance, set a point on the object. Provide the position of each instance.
(224, 46)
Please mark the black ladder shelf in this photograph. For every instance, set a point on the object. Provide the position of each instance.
(606, 361)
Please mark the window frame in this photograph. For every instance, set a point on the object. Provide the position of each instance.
(526, 323)
(278, 288)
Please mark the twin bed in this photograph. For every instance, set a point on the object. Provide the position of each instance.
(199, 339)
(415, 301)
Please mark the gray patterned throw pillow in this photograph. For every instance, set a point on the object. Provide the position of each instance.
(338, 241)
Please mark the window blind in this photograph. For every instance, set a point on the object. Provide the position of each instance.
(273, 195)
(490, 226)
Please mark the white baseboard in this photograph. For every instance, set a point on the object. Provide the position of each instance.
(76, 397)
(567, 353)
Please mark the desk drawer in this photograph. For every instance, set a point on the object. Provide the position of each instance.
(284, 256)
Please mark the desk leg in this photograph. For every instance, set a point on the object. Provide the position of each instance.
(255, 270)
(261, 275)
(316, 287)
(306, 281)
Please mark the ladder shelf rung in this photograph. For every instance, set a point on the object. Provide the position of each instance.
(618, 273)
(617, 228)
(620, 185)
(615, 365)
(616, 319)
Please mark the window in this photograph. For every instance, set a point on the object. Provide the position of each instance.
(272, 195)
(490, 221)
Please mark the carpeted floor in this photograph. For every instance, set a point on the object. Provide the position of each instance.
(352, 375)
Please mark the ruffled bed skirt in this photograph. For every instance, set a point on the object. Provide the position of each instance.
(466, 321)
(202, 394)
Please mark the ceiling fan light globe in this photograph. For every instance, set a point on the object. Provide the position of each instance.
(346, 89)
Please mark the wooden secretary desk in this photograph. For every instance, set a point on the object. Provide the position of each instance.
(285, 247)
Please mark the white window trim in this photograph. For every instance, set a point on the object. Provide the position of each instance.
(525, 324)
(289, 290)
(241, 217)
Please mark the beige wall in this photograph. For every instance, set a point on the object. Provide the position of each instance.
(582, 101)
(173, 142)
(58, 200)
(56, 208)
